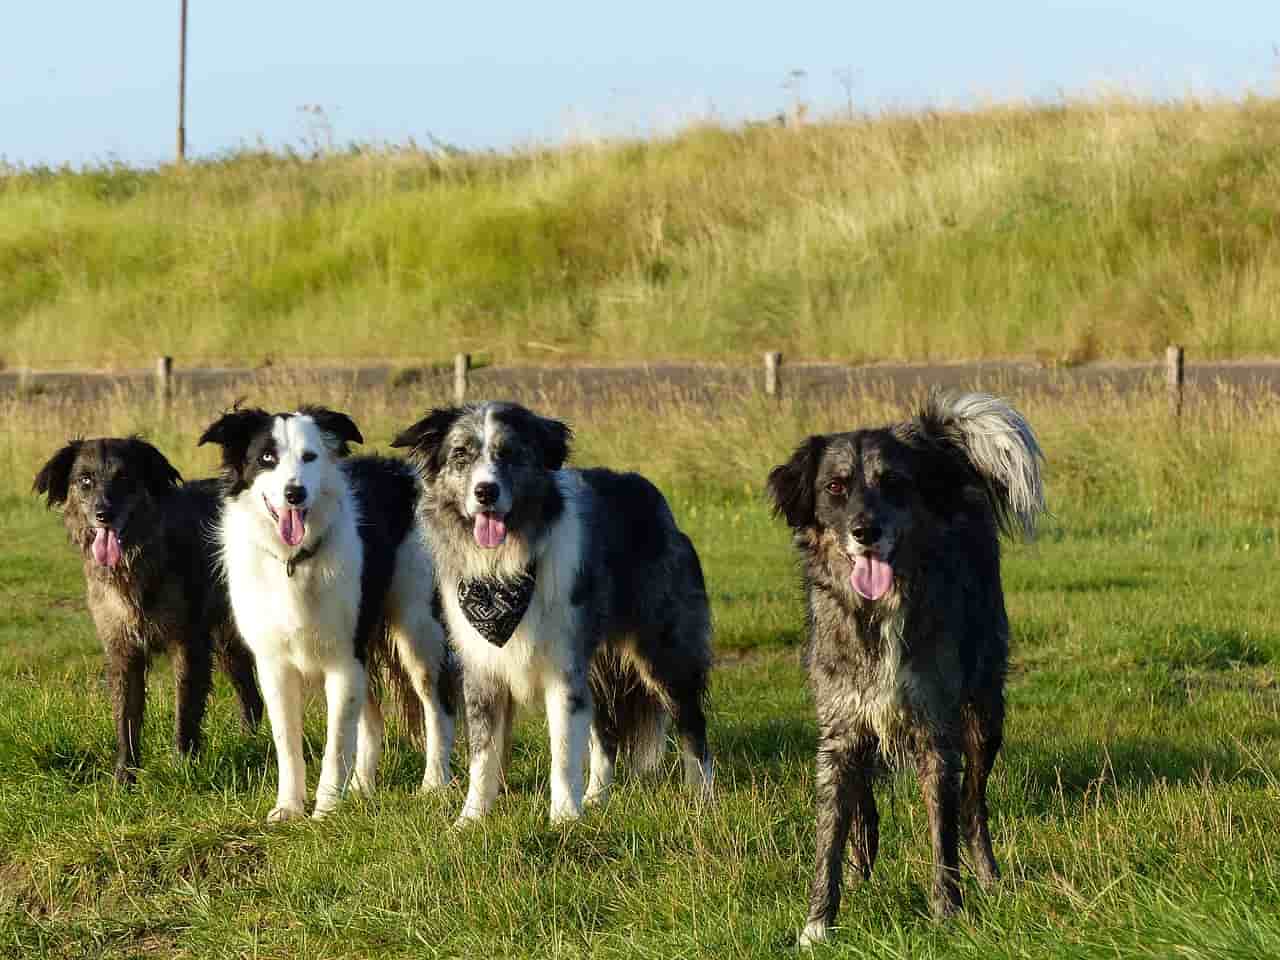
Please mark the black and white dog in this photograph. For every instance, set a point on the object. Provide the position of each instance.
(151, 579)
(908, 638)
(573, 586)
(325, 572)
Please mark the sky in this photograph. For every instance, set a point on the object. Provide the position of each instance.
(88, 83)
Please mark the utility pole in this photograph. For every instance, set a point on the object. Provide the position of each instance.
(182, 86)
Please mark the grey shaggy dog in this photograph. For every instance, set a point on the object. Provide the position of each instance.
(145, 538)
(575, 587)
(897, 529)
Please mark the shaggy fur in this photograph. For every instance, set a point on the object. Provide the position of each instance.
(616, 637)
(898, 529)
(325, 576)
(145, 539)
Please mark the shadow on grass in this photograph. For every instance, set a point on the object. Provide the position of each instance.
(1133, 763)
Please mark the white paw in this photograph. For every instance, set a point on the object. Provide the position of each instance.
(282, 814)
(434, 779)
(596, 796)
(815, 931)
(565, 812)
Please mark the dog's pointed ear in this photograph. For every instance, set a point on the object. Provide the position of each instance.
(425, 439)
(159, 476)
(233, 432)
(340, 427)
(791, 485)
(54, 478)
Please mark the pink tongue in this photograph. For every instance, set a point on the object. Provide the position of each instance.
(872, 577)
(292, 526)
(490, 530)
(106, 547)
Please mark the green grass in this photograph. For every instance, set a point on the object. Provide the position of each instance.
(1136, 801)
(1068, 233)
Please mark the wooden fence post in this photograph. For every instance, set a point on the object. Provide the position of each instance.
(461, 365)
(772, 361)
(164, 381)
(1173, 377)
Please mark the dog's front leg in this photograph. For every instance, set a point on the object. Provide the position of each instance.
(568, 702)
(489, 708)
(344, 691)
(938, 764)
(282, 691)
(127, 668)
(843, 799)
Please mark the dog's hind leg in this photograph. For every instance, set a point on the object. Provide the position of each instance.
(237, 663)
(489, 712)
(127, 669)
(604, 757)
(193, 676)
(678, 676)
(983, 735)
(368, 746)
(845, 803)
(938, 765)
(421, 651)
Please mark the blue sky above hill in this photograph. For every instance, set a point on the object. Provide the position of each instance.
(93, 82)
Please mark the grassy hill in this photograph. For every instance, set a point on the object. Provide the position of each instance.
(1066, 233)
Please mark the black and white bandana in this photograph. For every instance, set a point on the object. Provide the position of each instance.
(496, 606)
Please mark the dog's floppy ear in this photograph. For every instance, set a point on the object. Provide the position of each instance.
(553, 438)
(425, 439)
(337, 425)
(232, 432)
(791, 484)
(159, 476)
(54, 477)
(550, 438)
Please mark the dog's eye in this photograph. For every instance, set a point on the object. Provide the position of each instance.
(309, 456)
(86, 481)
(267, 458)
(837, 488)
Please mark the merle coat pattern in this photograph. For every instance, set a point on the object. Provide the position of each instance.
(145, 539)
(615, 639)
(908, 638)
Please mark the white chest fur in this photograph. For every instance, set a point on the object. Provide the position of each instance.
(307, 619)
(547, 638)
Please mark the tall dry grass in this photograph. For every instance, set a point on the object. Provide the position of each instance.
(1072, 232)
(1118, 464)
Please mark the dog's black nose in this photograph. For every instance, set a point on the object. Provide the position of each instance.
(486, 493)
(866, 534)
(294, 494)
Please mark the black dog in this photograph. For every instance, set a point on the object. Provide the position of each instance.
(908, 637)
(149, 567)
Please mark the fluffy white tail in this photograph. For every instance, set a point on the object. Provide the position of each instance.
(1001, 446)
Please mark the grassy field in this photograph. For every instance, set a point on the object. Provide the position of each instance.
(1136, 804)
(1067, 233)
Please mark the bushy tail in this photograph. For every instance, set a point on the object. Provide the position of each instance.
(625, 705)
(1001, 447)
